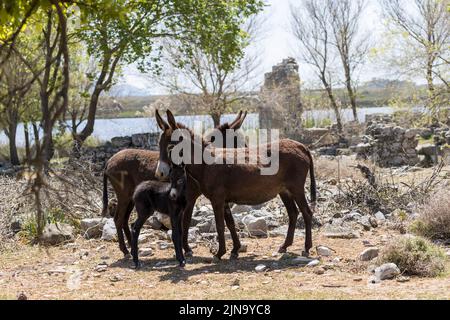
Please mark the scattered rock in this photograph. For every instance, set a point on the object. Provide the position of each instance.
(145, 252)
(109, 232)
(102, 267)
(319, 271)
(15, 226)
(54, 234)
(256, 227)
(92, 228)
(373, 222)
(241, 209)
(260, 268)
(403, 279)
(324, 251)
(243, 248)
(163, 245)
(380, 216)
(313, 263)
(369, 254)
(57, 270)
(387, 271)
(338, 232)
(154, 223)
(74, 281)
(365, 222)
(164, 219)
(301, 261)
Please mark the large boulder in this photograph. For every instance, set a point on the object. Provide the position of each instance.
(54, 234)
(92, 227)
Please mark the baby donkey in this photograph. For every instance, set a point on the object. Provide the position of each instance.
(166, 198)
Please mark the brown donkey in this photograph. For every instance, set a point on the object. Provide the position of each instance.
(244, 184)
(127, 169)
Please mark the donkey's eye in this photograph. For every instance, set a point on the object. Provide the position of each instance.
(180, 181)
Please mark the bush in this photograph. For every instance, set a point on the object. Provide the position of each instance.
(415, 256)
(434, 218)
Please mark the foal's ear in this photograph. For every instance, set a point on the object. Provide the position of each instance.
(239, 121)
(172, 121)
(163, 125)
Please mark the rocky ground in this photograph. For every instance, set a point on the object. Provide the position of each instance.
(82, 259)
(94, 269)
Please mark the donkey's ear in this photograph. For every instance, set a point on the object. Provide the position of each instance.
(238, 122)
(172, 121)
(163, 125)
(237, 119)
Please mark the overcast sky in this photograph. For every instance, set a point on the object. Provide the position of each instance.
(277, 43)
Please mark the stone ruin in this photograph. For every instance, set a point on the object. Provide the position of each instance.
(387, 144)
(281, 106)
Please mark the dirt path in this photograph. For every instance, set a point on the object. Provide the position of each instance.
(69, 272)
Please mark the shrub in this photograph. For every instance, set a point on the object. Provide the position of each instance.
(434, 218)
(415, 256)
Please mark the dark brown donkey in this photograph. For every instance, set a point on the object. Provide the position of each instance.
(244, 184)
(126, 170)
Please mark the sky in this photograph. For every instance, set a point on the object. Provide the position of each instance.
(277, 43)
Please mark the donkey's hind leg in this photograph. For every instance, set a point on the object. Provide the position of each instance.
(119, 218)
(126, 227)
(232, 227)
(292, 211)
(307, 217)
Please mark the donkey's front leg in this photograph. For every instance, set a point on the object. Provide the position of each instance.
(218, 207)
(175, 218)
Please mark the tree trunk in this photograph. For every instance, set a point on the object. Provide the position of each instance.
(216, 119)
(13, 155)
(27, 143)
(333, 104)
(431, 88)
(351, 94)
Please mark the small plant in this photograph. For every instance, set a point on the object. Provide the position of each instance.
(434, 218)
(415, 256)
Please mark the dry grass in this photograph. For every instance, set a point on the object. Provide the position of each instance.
(336, 168)
(415, 256)
(434, 219)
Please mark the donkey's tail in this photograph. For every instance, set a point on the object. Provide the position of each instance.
(105, 194)
(313, 179)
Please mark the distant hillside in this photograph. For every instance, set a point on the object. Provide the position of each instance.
(126, 100)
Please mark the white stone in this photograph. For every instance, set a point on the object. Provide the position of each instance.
(109, 232)
(369, 254)
(387, 271)
(324, 251)
(260, 268)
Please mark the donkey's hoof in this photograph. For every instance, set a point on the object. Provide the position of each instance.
(282, 250)
(127, 256)
(182, 264)
(234, 256)
(305, 254)
(188, 254)
(137, 265)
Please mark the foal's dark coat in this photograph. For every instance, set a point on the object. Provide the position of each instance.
(151, 196)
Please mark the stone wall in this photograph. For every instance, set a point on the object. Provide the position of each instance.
(387, 144)
(100, 154)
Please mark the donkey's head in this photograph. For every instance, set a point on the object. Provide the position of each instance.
(165, 140)
(178, 179)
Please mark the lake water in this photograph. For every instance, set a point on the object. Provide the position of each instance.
(105, 129)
